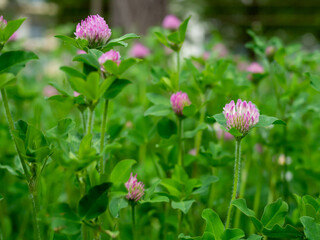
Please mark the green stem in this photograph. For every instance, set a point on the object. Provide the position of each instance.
(179, 221)
(257, 197)
(90, 121)
(103, 130)
(199, 134)
(37, 234)
(198, 138)
(142, 152)
(212, 190)
(12, 129)
(237, 167)
(84, 122)
(133, 221)
(84, 229)
(180, 159)
(24, 166)
(244, 177)
(178, 69)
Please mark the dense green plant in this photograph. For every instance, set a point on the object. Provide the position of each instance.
(75, 152)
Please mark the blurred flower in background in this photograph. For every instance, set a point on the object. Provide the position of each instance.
(49, 91)
(220, 133)
(220, 49)
(139, 51)
(171, 22)
(255, 68)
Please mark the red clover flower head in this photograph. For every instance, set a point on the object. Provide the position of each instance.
(241, 116)
(94, 29)
(135, 188)
(178, 101)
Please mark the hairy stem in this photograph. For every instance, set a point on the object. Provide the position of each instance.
(178, 69)
(90, 121)
(237, 166)
(30, 180)
(257, 197)
(103, 130)
(133, 221)
(81, 178)
(244, 177)
(34, 199)
(180, 158)
(84, 122)
(180, 216)
(12, 129)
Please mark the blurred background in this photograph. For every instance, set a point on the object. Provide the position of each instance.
(228, 20)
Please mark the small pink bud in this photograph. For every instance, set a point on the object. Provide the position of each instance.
(135, 188)
(178, 101)
(171, 22)
(110, 55)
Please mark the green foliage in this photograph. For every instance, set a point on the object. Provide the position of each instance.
(14, 61)
(10, 29)
(75, 172)
(175, 39)
(121, 172)
(31, 142)
(184, 206)
(64, 219)
(6, 79)
(95, 202)
(272, 220)
(92, 89)
(311, 228)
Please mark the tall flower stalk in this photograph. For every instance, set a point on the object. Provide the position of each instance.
(31, 178)
(240, 118)
(115, 57)
(135, 193)
(32, 184)
(103, 130)
(236, 178)
(178, 101)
